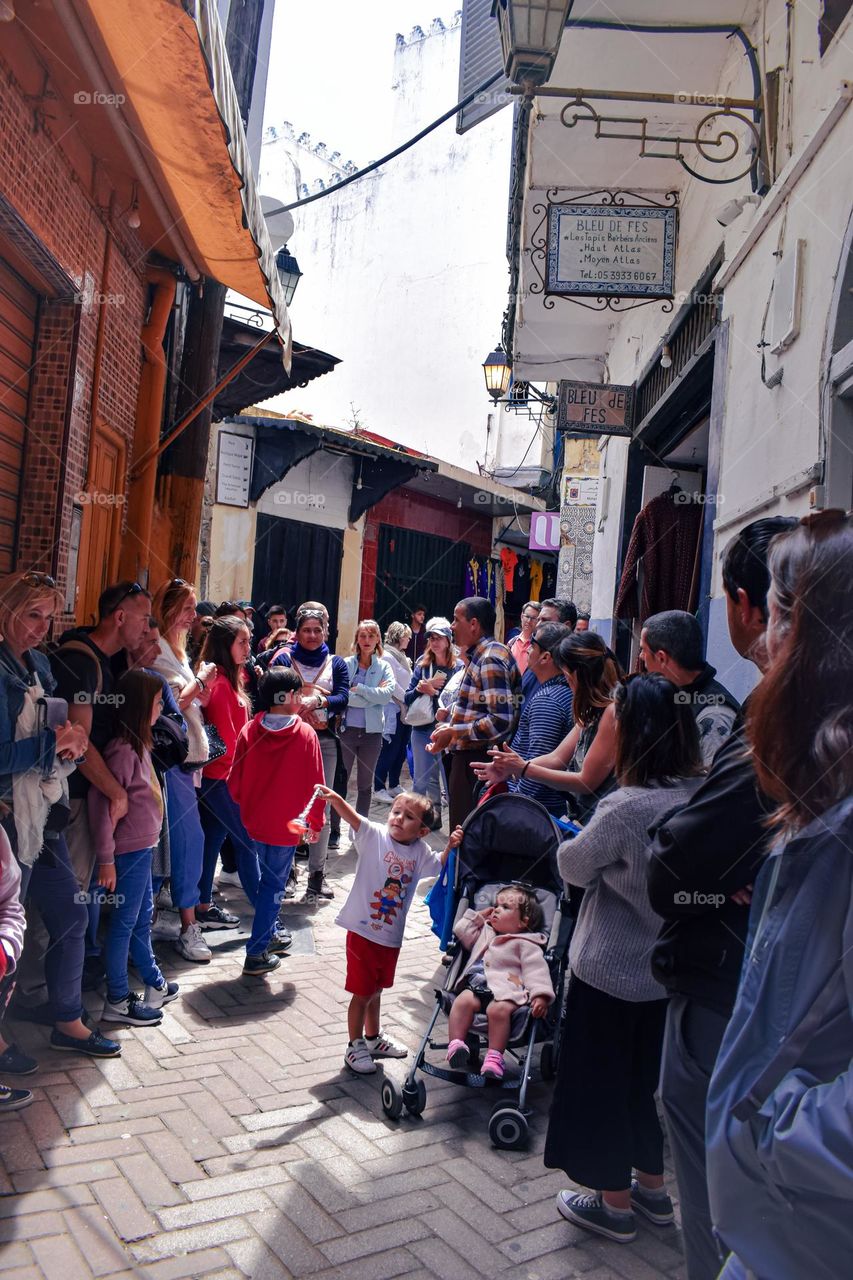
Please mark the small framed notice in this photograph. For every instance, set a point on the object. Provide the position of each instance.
(234, 468)
(623, 251)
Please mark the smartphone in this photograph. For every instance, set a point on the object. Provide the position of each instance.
(55, 712)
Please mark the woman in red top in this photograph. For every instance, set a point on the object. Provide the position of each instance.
(228, 646)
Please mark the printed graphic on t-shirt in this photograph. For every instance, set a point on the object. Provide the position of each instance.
(390, 899)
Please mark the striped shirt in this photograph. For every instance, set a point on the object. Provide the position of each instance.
(486, 706)
(546, 720)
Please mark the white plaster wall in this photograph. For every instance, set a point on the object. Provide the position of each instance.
(316, 491)
(406, 275)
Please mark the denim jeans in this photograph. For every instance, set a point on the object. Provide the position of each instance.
(220, 816)
(129, 933)
(55, 891)
(275, 861)
(186, 839)
(391, 757)
(428, 768)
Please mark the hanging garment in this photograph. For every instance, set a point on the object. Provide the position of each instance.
(665, 538)
(509, 560)
(471, 570)
(535, 579)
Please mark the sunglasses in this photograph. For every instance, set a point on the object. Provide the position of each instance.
(34, 579)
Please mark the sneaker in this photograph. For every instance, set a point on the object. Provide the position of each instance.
(192, 946)
(166, 928)
(384, 796)
(163, 901)
(281, 941)
(229, 878)
(654, 1205)
(458, 1055)
(589, 1210)
(318, 888)
(335, 840)
(15, 1063)
(132, 1010)
(216, 917)
(493, 1065)
(358, 1059)
(14, 1099)
(302, 852)
(396, 791)
(95, 1046)
(257, 966)
(383, 1046)
(156, 997)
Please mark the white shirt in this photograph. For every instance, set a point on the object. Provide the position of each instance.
(385, 879)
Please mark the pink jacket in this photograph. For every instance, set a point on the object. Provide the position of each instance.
(12, 919)
(514, 964)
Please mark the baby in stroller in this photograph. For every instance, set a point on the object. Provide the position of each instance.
(506, 970)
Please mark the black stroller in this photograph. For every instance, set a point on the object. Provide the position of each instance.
(508, 838)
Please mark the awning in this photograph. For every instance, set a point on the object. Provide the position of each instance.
(264, 375)
(169, 61)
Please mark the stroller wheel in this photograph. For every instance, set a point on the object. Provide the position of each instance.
(508, 1129)
(414, 1097)
(392, 1099)
(547, 1062)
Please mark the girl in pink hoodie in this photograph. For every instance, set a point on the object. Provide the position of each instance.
(505, 971)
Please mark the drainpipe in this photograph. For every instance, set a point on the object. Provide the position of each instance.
(136, 545)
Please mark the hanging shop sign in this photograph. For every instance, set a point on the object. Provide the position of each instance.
(595, 409)
(234, 468)
(603, 250)
(545, 531)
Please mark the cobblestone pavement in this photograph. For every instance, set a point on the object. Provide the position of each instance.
(231, 1142)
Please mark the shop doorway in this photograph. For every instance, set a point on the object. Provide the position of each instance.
(417, 568)
(296, 561)
(101, 523)
(18, 312)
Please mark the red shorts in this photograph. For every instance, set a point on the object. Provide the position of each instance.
(370, 966)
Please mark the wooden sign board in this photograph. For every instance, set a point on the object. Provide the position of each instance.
(595, 409)
(604, 250)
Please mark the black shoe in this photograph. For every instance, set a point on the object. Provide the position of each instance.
(97, 1046)
(257, 966)
(335, 840)
(15, 1063)
(318, 888)
(14, 1099)
(216, 917)
(94, 974)
(280, 942)
(302, 851)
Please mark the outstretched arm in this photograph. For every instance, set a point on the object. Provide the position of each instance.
(341, 807)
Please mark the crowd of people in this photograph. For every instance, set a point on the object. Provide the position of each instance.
(709, 868)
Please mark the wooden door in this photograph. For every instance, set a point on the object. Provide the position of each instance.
(103, 510)
(18, 307)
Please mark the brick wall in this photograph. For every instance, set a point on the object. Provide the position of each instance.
(54, 202)
(406, 509)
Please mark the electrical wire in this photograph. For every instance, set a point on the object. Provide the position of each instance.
(398, 151)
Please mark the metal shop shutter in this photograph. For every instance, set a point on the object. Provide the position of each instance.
(18, 306)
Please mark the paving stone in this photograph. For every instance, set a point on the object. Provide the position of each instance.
(172, 1244)
(81, 1152)
(360, 1244)
(29, 1225)
(125, 1210)
(46, 1200)
(212, 1209)
(443, 1262)
(288, 1243)
(59, 1258)
(91, 1232)
(149, 1182)
(170, 1154)
(203, 1262)
(66, 1176)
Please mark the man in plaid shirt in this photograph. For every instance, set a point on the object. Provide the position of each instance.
(486, 708)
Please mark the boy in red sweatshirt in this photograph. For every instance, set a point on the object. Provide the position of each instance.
(277, 764)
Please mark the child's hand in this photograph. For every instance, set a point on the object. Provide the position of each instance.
(538, 1006)
(326, 792)
(457, 835)
(107, 876)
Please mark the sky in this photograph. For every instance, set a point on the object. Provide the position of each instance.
(332, 64)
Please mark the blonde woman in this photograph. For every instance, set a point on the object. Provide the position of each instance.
(174, 607)
(371, 688)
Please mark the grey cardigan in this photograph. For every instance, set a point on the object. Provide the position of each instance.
(617, 929)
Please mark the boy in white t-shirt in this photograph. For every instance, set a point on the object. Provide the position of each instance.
(391, 860)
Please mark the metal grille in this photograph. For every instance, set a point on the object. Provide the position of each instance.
(698, 324)
(417, 568)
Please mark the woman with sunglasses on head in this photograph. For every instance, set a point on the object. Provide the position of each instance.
(35, 760)
(325, 694)
(584, 762)
(174, 607)
(779, 1136)
(604, 1126)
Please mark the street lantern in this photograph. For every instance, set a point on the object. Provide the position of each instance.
(531, 31)
(497, 372)
(288, 272)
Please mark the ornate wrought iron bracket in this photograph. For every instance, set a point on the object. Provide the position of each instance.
(538, 248)
(722, 134)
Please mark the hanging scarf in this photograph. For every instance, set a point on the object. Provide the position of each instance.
(309, 657)
(33, 791)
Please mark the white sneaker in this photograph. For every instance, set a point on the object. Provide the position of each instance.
(383, 1046)
(228, 877)
(192, 946)
(384, 796)
(156, 997)
(166, 928)
(396, 791)
(358, 1059)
